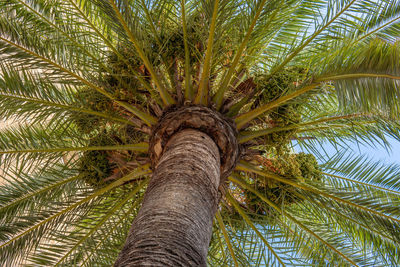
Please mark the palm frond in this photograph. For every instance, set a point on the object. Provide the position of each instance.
(226, 80)
(85, 82)
(188, 87)
(352, 199)
(202, 91)
(369, 81)
(109, 239)
(226, 237)
(248, 221)
(243, 119)
(291, 218)
(23, 93)
(22, 232)
(95, 227)
(364, 170)
(330, 18)
(168, 100)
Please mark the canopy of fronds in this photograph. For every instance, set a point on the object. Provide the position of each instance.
(85, 81)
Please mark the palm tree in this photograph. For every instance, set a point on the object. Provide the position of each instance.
(138, 122)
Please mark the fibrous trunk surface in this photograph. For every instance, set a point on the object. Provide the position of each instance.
(174, 224)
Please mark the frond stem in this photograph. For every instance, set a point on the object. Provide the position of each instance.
(147, 118)
(309, 40)
(140, 147)
(202, 92)
(226, 237)
(111, 46)
(357, 76)
(332, 126)
(228, 76)
(165, 96)
(188, 82)
(153, 29)
(62, 106)
(377, 29)
(249, 135)
(362, 183)
(39, 191)
(347, 217)
(65, 34)
(243, 119)
(243, 166)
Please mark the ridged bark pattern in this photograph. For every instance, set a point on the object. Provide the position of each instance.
(174, 224)
(220, 128)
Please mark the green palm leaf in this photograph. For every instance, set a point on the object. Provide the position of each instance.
(87, 85)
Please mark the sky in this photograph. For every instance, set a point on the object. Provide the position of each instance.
(378, 153)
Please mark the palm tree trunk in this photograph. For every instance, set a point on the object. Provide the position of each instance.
(174, 224)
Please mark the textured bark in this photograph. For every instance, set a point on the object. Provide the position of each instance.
(174, 224)
(220, 128)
